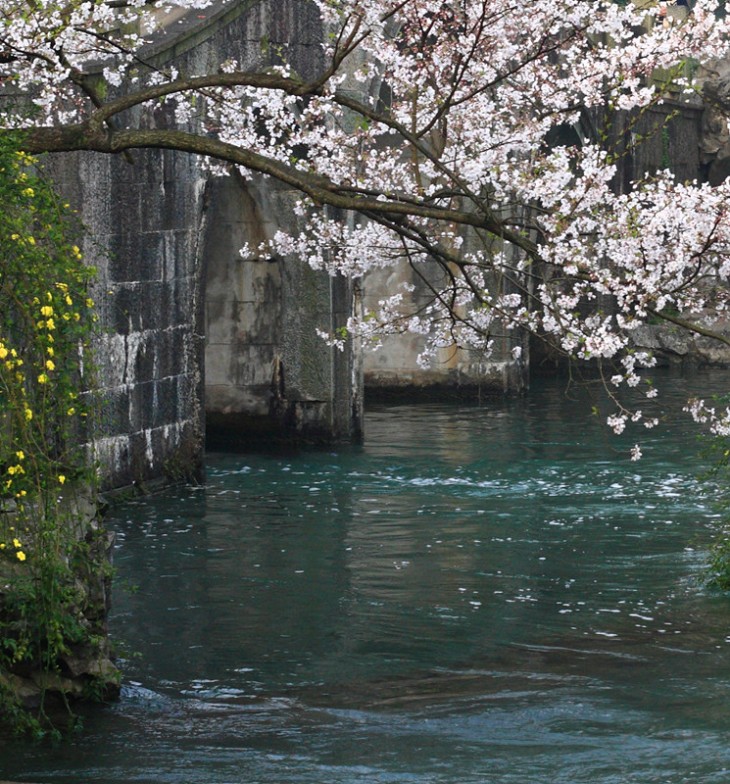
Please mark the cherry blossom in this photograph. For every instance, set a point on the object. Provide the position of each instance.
(430, 138)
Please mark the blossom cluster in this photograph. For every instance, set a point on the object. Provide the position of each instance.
(14, 548)
(474, 136)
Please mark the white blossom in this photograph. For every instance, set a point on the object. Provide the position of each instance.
(434, 149)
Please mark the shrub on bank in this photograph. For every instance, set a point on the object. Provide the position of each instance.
(52, 551)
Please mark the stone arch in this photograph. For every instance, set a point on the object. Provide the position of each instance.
(163, 233)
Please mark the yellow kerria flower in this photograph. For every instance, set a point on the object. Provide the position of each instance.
(50, 324)
(61, 479)
(50, 351)
(43, 378)
(20, 555)
(28, 415)
(50, 365)
(29, 192)
(17, 544)
(20, 454)
(3, 351)
(46, 311)
(71, 411)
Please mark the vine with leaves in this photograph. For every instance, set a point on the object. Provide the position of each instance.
(47, 321)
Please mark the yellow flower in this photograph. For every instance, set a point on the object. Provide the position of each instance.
(29, 192)
(69, 301)
(71, 411)
(28, 415)
(61, 479)
(76, 251)
(2, 545)
(20, 555)
(50, 324)
(31, 240)
(50, 351)
(46, 311)
(89, 302)
(17, 544)
(3, 351)
(43, 378)
(20, 454)
(50, 365)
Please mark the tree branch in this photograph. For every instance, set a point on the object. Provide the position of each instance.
(92, 137)
(691, 326)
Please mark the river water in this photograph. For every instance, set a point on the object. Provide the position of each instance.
(490, 594)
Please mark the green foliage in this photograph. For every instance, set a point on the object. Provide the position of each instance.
(46, 325)
(719, 566)
(717, 452)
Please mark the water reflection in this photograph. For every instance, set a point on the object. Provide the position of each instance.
(479, 594)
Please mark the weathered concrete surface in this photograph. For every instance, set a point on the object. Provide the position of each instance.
(267, 373)
(393, 369)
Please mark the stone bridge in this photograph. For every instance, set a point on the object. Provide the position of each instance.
(196, 337)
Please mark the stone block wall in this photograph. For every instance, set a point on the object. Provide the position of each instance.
(143, 217)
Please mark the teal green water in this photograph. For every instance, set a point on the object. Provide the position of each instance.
(488, 594)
